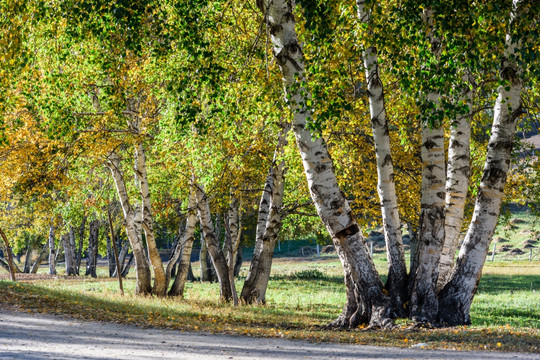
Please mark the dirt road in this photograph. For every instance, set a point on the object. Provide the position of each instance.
(36, 337)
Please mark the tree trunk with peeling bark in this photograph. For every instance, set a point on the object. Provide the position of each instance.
(160, 287)
(396, 283)
(127, 267)
(133, 222)
(184, 252)
(215, 251)
(366, 301)
(52, 251)
(110, 256)
(206, 269)
(233, 233)
(456, 297)
(93, 237)
(79, 247)
(268, 227)
(457, 184)
(42, 255)
(69, 254)
(8, 255)
(423, 298)
(27, 259)
(424, 305)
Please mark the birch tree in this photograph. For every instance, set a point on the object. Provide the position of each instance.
(397, 270)
(457, 182)
(268, 226)
(366, 301)
(456, 297)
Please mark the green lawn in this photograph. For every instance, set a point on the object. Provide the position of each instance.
(303, 296)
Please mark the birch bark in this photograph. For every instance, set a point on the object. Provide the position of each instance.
(186, 245)
(159, 288)
(69, 254)
(215, 251)
(93, 237)
(42, 255)
(366, 300)
(397, 269)
(423, 300)
(233, 232)
(52, 251)
(268, 227)
(457, 184)
(456, 297)
(79, 247)
(133, 224)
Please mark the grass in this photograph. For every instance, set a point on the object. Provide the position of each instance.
(303, 295)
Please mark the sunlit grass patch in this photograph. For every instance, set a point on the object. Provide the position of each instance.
(303, 296)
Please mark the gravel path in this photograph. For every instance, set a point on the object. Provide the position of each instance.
(33, 336)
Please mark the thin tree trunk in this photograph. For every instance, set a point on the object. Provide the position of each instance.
(160, 287)
(59, 253)
(133, 228)
(206, 274)
(249, 292)
(52, 252)
(9, 256)
(69, 254)
(457, 184)
(365, 286)
(396, 283)
(254, 290)
(27, 259)
(456, 297)
(184, 252)
(127, 267)
(79, 248)
(115, 250)
(110, 257)
(123, 254)
(268, 227)
(238, 262)
(218, 258)
(42, 255)
(93, 236)
(190, 275)
(233, 231)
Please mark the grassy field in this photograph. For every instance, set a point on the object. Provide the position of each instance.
(304, 294)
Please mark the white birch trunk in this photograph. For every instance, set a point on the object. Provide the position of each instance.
(397, 269)
(215, 251)
(69, 254)
(456, 297)
(79, 247)
(457, 185)
(42, 255)
(186, 244)
(254, 290)
(233, 233)
(423, 301)
(271, 232)
(93, 236)
(160, 287)
(132, 220)
(52, 252)
(365, 288)
(431, 232)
